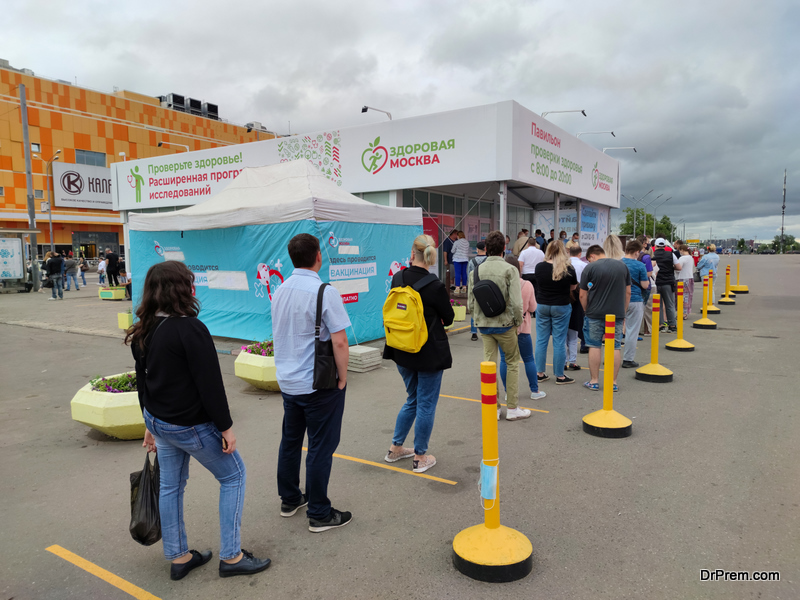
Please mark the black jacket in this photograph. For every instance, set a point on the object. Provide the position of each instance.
(666, 270)
(54, 265)
(435, 354)
(178, 379)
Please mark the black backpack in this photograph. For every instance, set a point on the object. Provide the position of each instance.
(488, 295)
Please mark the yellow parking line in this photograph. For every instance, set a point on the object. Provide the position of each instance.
(459, 329)
(106, 576)
(391, 468)
(474, 400)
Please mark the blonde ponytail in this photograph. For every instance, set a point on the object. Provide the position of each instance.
(425, 250)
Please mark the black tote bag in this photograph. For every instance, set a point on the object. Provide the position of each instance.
(324, 362)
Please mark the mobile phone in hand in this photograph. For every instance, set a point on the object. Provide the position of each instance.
(224, 444)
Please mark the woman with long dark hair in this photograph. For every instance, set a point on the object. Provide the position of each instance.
(186, 413)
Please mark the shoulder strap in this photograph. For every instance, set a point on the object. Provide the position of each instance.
(320, 294)
(477, 277)
(429, 278)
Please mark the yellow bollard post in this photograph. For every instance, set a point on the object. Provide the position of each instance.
(491, 552)
(607, 422)
(728, 298)
(739, 289)
(679, 344)
(654, 372)
(705, 322)
(711, 309)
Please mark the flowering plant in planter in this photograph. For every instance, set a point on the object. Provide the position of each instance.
(118, 384)
(455, 303)
(256, 365)
(264, 348)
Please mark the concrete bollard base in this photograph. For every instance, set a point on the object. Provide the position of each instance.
(495, 555)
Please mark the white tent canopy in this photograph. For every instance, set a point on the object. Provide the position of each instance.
(282, 193)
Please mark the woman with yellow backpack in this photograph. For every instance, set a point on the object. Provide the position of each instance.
(415, 315)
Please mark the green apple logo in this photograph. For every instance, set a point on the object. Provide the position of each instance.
(374, 158)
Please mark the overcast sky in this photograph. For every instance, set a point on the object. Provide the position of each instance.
(707, 90)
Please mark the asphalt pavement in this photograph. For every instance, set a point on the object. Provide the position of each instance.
(708, 480)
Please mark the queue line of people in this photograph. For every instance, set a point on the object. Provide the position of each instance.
(186, 411)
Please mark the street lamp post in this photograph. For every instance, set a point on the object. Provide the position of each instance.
(365, 108)
(593, 132)
(633, 199)
(49, 174)
(654, 214)
(173, 144)
(549, 112)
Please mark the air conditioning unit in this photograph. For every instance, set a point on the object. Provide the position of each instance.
(210, 110)
(194, 106)
(255, 125)
(176, 102)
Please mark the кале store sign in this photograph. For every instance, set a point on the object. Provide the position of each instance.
(82, 186)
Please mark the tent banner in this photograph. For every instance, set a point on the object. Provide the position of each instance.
(238, 270)
(594, 224)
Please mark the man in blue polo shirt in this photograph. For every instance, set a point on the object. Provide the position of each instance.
(319, 412)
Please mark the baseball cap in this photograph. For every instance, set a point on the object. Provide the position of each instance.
(661, 242)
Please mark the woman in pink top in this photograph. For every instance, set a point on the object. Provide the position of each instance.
(524, 336)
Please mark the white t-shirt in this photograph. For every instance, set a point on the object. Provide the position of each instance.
(579, 265)
(530, 257)
(101, 266)
(687, 268)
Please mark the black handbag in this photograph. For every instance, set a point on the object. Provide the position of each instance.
(325, 377)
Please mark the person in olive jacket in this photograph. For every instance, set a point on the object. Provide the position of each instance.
(421, 371)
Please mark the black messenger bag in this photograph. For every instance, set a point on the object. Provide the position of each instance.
(488, 295)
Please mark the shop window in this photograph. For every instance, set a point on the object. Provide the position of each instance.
(449, 205)
(87, 157)
(421, 199)
(36, 147)
(408, 198)
(512, 213)
(473, 212)
(38, 194)
(436, 203)
(459, 206)
(486, 210)
(2, 191)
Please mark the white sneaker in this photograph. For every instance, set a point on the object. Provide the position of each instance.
(538, 395)
(513, 414)
(499, 412)
(52, 298)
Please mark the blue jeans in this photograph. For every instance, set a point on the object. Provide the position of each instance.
(175, 445)
(461, 273)
(58, 285)
(319, 414)
(83, 278)
(423, 389)
(552, 320)
(472, 327)
(101, 278)
(526, 354)
(73, 277)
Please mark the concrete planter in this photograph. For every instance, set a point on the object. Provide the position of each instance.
(461, 313)
(111, 293)
(257, 370)
(117, 415)
(124, 320)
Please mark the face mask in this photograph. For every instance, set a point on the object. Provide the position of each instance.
(488, 482)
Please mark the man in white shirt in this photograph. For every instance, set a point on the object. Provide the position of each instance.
(574, 334)
(318, 412)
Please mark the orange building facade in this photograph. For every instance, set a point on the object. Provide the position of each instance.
(89, 127)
